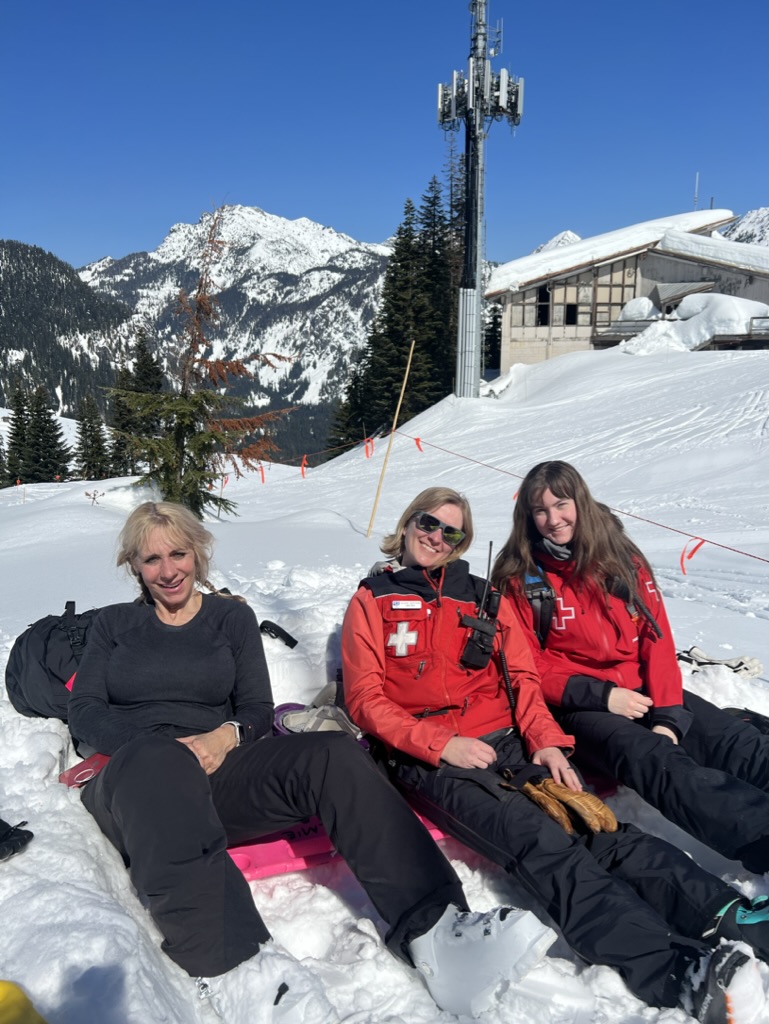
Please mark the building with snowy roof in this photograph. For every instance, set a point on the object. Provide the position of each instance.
(570, 297)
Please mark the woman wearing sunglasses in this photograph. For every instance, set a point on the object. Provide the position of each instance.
(175, 689)
(438, 672)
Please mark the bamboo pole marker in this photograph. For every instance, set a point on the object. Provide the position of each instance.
(392, 435)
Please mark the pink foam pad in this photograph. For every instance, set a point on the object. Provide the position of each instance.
(306, 845)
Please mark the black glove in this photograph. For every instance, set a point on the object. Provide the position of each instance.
(12, 838)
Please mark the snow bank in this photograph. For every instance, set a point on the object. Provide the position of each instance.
(698, 319)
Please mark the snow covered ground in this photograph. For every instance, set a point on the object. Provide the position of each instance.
(676, 441)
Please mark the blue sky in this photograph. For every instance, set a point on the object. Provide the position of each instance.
(119, 119)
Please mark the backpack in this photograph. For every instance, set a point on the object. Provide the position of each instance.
(45, 657)
(43, 662)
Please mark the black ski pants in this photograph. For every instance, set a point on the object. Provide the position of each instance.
(172, 824)
(713, 784)
(625, 899)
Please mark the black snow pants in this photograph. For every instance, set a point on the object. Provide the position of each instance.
(625, 899)
(713, 784)
(172, 824)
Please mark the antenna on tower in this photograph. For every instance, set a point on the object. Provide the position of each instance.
(696, 189)
(476, 99)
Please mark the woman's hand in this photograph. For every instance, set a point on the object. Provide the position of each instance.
(468, 752)
(664, 730)
(628, 703)
(211, 748)
(556, 762)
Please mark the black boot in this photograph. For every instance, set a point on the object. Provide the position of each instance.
(12, 838)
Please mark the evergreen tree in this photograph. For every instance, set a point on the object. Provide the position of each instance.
(455, 187)
(147, 377)
(91, 455)
(123, 426)
(438, 325)
(198, 441)
(417, 304)
(492, 336)
(148, 374)
(18, 461)
(3, 464)
(390, 338)
(48, 454)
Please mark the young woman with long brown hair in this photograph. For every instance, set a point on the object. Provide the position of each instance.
(609, 669)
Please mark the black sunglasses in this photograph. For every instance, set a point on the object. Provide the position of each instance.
(452, 535)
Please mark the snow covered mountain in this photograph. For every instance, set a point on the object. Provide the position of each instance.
(752, 227)
(562, 238)
(291, 287)
(54, 329)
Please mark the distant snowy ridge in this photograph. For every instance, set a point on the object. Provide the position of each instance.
(563, 238)
(752, 228)
(292, 287)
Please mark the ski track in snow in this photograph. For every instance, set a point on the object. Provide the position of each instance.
(675, 439)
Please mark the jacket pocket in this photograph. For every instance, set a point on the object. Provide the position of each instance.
(405, 625)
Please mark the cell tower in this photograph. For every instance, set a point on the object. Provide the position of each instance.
(476, 99)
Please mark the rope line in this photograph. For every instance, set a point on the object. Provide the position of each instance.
(631, 515)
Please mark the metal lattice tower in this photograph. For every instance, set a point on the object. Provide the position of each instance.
(475, 100)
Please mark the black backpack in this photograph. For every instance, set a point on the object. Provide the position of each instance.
(43, 660)
(45, 657)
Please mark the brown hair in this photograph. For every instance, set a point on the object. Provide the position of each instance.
(181, 526)
(427, 501)
(600, 547)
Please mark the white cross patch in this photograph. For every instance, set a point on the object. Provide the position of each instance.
(402, 639)
(563, 615)
(651, 588)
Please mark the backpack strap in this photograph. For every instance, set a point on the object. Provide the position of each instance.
(540, 594)
(635, 606)
(75, 635)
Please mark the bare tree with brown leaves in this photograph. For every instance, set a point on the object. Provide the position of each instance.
(199, 441)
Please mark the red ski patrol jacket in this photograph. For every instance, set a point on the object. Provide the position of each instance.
(601, 636)
(402, 640)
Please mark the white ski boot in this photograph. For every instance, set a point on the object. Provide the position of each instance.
(270, 988)
(465, 956)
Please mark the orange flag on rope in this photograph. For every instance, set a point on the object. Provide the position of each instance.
(692, 553)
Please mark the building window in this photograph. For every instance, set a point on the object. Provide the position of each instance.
(543, 306)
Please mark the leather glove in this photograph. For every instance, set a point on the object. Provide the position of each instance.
(12, 838)
(562, 804)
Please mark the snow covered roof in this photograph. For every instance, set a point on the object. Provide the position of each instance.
(564, 259)
(716, 250)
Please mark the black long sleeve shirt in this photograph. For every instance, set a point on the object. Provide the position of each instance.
(140, 675)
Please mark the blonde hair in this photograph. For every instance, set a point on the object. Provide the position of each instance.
(181, 527)
(427, 501)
